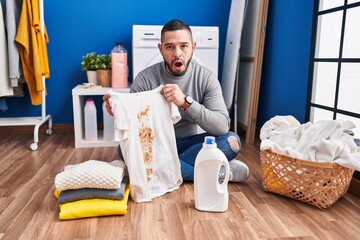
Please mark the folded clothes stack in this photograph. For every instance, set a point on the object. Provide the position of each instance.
(91, 189)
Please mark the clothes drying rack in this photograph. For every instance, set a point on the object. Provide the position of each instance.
(37, 121)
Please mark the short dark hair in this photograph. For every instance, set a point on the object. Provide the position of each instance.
(174, 25)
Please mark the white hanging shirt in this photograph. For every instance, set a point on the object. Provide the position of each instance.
(143, 124)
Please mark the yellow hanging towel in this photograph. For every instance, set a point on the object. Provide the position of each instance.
(32, 49)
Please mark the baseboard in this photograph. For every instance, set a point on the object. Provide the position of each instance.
(241, 128)
(354, 187)
(56, 128)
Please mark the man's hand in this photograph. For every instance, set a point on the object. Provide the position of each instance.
(172, 93)
(107, 104)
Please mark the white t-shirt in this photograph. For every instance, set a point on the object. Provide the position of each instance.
(143, 124)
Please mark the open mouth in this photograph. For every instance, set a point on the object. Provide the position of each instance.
(178, 65)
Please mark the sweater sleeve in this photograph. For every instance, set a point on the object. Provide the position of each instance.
(211, 114)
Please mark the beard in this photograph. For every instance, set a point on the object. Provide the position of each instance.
(169, 68)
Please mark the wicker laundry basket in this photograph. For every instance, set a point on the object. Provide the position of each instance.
(318, 184)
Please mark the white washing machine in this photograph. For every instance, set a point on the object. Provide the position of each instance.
(145, 52)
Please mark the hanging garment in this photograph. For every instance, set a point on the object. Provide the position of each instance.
(41, 37)
(5, 88)
(13, 8)
(3, 105)
(32, 49)
(144, 126)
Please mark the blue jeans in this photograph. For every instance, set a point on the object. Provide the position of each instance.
(189, 147)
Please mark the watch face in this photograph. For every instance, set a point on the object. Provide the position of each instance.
(189, 99)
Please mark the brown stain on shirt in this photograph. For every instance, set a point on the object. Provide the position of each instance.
(146, 137)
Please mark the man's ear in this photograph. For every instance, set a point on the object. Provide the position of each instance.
(194, 46)
(160, 47)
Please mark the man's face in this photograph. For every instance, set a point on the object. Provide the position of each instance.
(177, 49)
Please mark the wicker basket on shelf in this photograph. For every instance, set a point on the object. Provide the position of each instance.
(315, 183)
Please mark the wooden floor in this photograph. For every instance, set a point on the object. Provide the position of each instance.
(29, 210)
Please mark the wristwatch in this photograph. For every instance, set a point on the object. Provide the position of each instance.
(188, 101)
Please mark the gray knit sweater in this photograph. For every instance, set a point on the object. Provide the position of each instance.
(13, 9)
(208, 110)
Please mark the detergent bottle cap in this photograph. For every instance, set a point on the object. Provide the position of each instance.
(209, 140)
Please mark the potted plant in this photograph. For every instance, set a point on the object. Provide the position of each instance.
(103, 69)
(88, 65)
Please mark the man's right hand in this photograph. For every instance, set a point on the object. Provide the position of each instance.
(107, 104)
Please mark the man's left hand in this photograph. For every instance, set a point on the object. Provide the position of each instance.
(173, 93)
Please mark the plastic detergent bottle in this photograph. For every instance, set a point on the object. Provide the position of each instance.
(211, 178)
(91, 133)
(108, 122)
(119, 66)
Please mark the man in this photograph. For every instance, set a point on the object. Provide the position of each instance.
(197, 91)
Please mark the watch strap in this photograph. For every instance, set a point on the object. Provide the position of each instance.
(186, 105)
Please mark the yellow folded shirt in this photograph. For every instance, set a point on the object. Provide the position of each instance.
(93, 207)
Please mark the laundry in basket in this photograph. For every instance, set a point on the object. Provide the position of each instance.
(312, 163)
